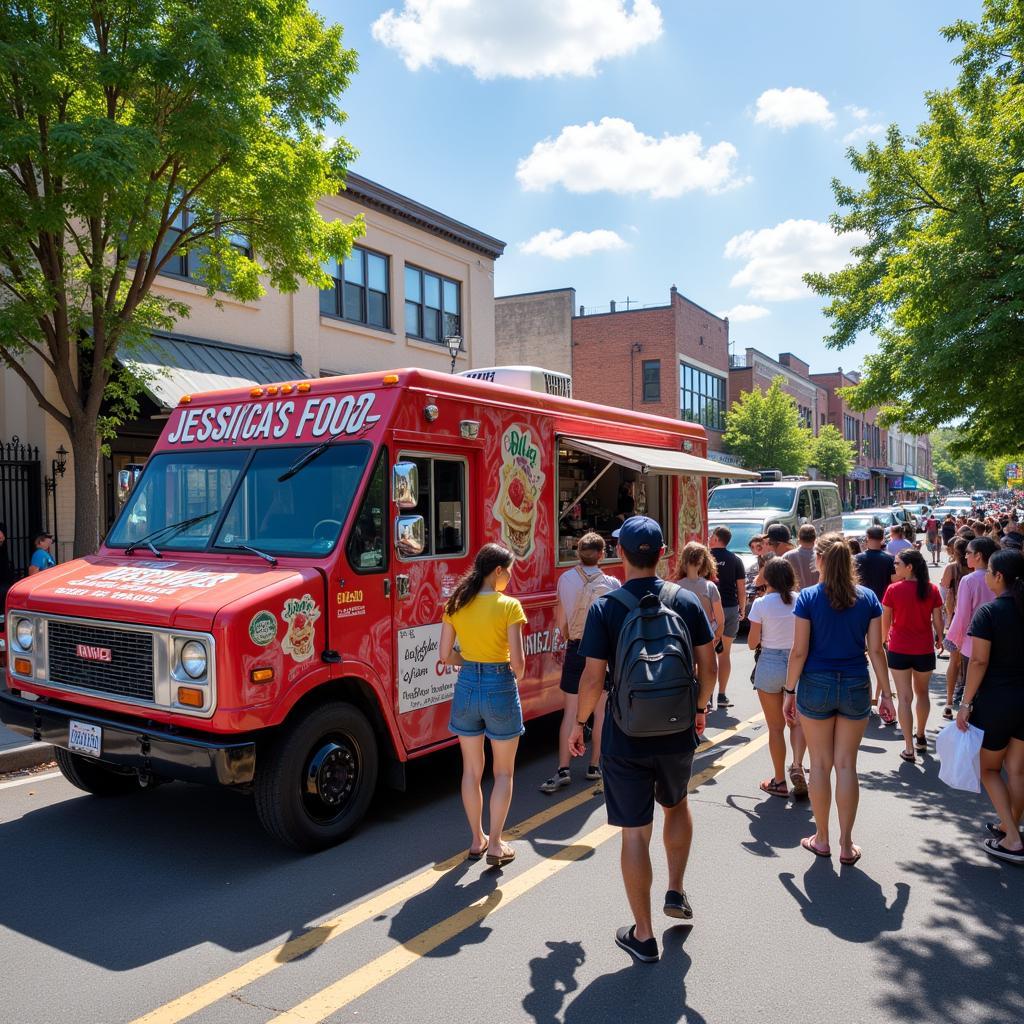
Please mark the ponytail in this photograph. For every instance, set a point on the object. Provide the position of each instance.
(488, 558)
(1010, 565)
(838, 573)
(919, 567)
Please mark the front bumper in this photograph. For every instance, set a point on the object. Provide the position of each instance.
(141, 746)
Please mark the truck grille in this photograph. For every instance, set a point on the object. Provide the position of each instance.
(127, 673)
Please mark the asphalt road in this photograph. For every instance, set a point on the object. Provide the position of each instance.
(174, 906)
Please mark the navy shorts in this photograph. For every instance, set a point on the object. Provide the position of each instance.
(917, 662)
(999, 712)
(632, 784)
(486, 702)
(822, 695)
(572, 668)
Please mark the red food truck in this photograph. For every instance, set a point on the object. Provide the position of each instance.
(265, 612)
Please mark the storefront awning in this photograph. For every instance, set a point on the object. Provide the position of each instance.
(657, 460)
(859, 473)
(906, 482)
(886, 471)
(176, 366)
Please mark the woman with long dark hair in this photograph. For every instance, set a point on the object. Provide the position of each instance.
(956, 569)
(488, 627)
(827, 684)
(994, 700)
(912, 626)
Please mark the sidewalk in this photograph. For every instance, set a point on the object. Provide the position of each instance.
(17, 752)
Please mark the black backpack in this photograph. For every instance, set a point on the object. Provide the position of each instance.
(654, 688)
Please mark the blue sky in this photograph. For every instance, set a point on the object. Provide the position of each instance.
(687, 143)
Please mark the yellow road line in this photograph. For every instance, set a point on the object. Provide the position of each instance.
(344, 991)
(205, 995)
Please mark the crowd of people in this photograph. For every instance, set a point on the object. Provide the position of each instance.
(821, 615)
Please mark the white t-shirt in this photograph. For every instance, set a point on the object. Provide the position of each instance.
(570, 585)
(777, 621)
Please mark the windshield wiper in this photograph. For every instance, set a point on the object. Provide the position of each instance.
(248, 547)
(171, 529)
(304, 460)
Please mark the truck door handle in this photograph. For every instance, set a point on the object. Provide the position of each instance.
(387, 588)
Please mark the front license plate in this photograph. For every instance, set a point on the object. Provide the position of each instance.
(84, 738)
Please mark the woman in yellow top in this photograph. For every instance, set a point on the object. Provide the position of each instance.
(489, 629)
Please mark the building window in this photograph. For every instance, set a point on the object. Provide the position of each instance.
(701, 397)
(188, 265)
(433, 306)
(652, 380)
(359, 290)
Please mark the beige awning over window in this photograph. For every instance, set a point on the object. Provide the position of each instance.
(657, 460)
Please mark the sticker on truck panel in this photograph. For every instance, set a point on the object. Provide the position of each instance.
(301, 614)
(263, 628)
(521, 481)
(422, 679)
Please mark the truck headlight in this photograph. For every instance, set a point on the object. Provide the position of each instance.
(193, 659)
(24, 633)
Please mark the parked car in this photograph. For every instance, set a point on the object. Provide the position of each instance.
(920, 512)
(855, 525)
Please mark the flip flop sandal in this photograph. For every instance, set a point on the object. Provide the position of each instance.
(774, 787)
(849, 861)
(909, 756)
(921, 742)
(808, 844)
(497, 860)
(472, 854)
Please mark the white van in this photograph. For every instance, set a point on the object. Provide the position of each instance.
(749, 509)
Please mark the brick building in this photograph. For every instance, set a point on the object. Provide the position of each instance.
(671, 360)
(755, 369)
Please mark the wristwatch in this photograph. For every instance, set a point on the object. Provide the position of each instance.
(970, 706)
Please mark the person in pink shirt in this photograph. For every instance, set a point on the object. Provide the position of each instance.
(971, 593)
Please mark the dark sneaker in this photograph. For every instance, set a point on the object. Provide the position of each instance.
(557, 781)
(678, 906)
(993, 847)
(645, 952)
(724, 702)
(594, 773)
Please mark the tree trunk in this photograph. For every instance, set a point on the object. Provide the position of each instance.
(85, 452)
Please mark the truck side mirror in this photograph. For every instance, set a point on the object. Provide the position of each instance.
(410, 535)
(405, 484)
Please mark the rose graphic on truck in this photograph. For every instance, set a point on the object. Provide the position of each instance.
(300, 613)
(521, 484)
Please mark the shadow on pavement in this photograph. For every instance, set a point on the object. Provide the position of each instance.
(774, 824)
(552, 978)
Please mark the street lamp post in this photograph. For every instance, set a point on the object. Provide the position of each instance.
(57, 468)
(454, 345)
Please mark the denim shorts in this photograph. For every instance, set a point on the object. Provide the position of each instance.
(770, 671)
(824, 694)
(486, 702)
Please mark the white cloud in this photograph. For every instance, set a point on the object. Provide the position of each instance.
(557, 245)
(525, 39)
(862, 133)
(612, 155)
(743, 312)
(777, 258)
(787, 108)
(857, 113)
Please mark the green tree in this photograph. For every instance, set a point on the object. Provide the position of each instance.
(831, 454)
(938, 275)
(969, 471)
(131, 131)
(763, 430)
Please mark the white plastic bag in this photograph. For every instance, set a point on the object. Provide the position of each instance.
(960, 757)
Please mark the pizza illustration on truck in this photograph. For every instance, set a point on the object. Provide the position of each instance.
(265, 611)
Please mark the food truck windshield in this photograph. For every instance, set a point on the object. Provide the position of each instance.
(234, 499)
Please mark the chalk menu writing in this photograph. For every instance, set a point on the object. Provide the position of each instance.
(422, 679)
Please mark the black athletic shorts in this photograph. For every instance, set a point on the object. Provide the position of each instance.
(572, 668)
(632, 784)
(917, 662)
(999, 712)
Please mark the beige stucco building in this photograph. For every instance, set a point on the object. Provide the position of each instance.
(416, 277)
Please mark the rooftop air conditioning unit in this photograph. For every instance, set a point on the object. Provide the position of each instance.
(528, 378)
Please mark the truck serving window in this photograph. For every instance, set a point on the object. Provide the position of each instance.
(301, 515)
(442, 503)
(175, 487)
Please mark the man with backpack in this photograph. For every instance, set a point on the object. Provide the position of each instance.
(658, 641)
(578, 588)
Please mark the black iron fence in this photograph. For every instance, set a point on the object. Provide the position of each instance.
(21, 505)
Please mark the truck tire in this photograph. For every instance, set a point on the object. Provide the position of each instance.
(94, 776)
(314, 784)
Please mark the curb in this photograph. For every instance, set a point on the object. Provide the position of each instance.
(29, 755)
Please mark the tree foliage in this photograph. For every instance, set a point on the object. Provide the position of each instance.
(969, 471)
(119, 118)
(763, 430)
(831, 454)
(939, 278)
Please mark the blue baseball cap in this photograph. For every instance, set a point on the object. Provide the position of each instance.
(639, 535)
